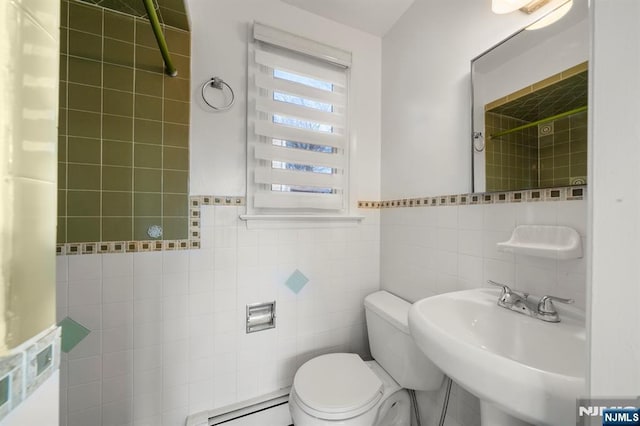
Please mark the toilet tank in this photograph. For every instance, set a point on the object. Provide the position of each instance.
(393, 347)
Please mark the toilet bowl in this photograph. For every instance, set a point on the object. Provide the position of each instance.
(343, 389)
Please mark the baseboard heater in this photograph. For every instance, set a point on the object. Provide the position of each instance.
(233, 414)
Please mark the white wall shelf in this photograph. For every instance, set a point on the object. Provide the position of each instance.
(553, 242)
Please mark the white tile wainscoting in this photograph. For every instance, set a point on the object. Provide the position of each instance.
(428, 251)
(168, 328)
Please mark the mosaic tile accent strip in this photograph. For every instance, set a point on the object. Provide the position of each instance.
(192, 242)
(27, 367)
(531, 195)
(296, 281)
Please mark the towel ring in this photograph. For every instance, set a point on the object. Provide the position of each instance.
(220, 84)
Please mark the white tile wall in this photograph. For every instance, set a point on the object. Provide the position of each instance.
(168, 336)
(431, 250)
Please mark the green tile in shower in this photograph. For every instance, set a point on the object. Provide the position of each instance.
(117, 178)
(118, 52)
(149, 59)
(147, 204)
(579, 157)
(174, 228)
(148, 131)
(144, 34)
(176, 135)
(117, 228)
(176, 89)
(174, 18)
(579, 146)
(117, 153)
(179, 42)
(148, 180)
(183, 65)
(118, 26)
(148, 107)
(62, 175)
(175, 181)
(175, 158)
(62, 202)
(578, 170)
(64, 40)
(83, 229)
(562, 124)
(83, 150)
(85, 45)
(141, 226)
(62, 93)
(561, 137)
(116, 203)
(83, 203)
(579, 133)
(116, 102)
(85, 98)
(61, 230)
(175, 205)
(118, 77)
(83, 176)
(85, 18)
(149, 83)
(64, 7)
(149, 156)
(561, 148)
(85, 71)
(176, 112)
(85, 124)
(117, 128)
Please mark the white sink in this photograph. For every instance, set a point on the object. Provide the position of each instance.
(521, 368)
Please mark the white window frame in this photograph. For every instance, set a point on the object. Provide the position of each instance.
(287, 42)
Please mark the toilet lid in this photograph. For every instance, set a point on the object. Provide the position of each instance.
(338, 385)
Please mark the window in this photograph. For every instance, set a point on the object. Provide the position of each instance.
(297, 125)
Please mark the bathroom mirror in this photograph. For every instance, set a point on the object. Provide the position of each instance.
(529, 108)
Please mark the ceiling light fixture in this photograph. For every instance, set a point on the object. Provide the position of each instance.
(530, 6)
(552, 17)
(507, 6)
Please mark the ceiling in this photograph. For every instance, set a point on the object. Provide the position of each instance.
(372, 16)
(557, 98)
(170, 12)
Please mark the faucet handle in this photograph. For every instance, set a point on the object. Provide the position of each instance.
(545, 305)
(505, 288)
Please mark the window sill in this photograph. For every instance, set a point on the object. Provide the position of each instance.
(255, 221)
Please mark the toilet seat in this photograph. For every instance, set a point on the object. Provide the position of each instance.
(336, 387)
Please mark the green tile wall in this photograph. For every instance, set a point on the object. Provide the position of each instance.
(124, 128)
(511, 160)
(548, 155)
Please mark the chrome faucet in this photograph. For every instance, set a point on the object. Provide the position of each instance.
(542, 310)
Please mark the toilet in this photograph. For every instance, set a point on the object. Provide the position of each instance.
(343, 389)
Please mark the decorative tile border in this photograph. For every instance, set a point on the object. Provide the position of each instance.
(192, 242)
(25, 368)
(526, 196)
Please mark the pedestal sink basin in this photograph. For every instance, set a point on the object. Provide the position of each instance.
(523, 370)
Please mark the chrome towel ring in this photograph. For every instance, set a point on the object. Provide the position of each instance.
(220, 84)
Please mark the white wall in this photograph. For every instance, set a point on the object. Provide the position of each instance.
(426, 123)
(168, 336)
(426, 151)
(168, 328)
(219, 37)
(615, 202)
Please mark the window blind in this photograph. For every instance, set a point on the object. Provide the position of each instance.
(297, 127)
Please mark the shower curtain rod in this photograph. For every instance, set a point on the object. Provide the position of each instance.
(535, 123)
(162, 43)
